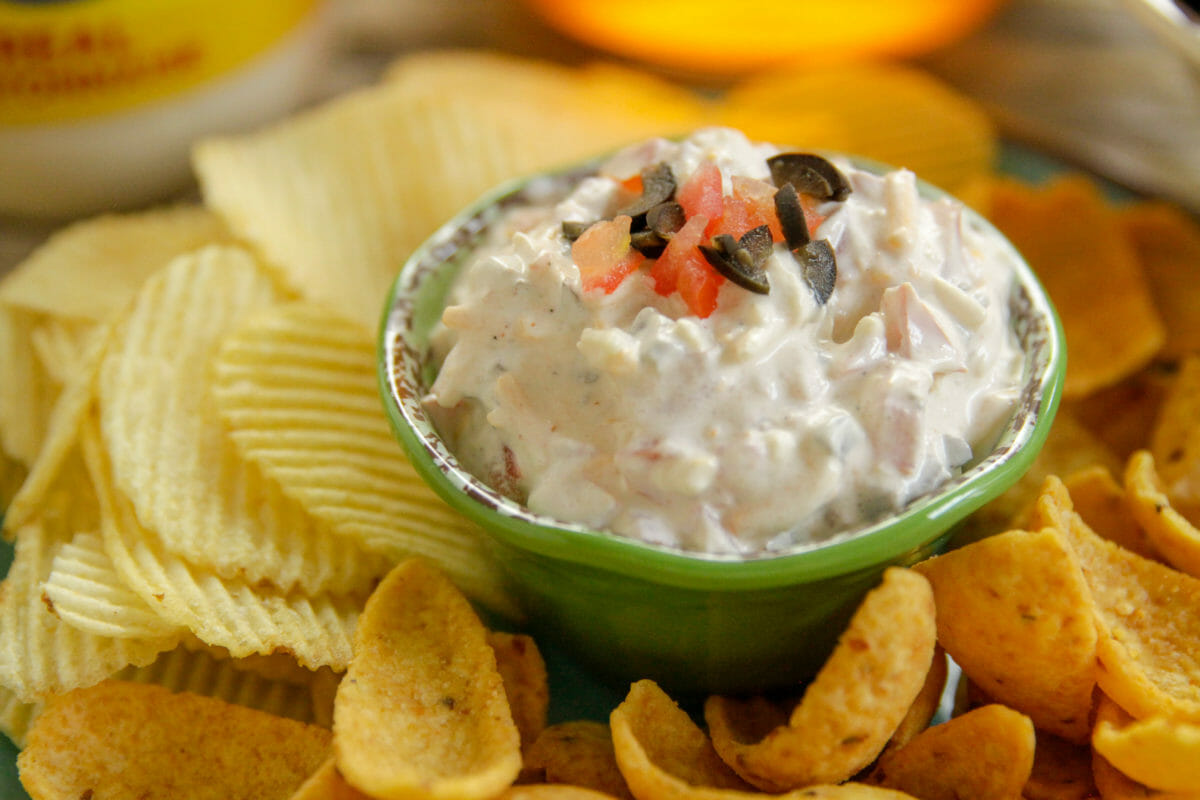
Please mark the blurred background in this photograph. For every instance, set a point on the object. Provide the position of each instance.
(1112, 86)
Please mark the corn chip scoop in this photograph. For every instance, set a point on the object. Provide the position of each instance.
(664, 755)
(1061, 770)
(119, 739)
(1174, 441)
(1147, 616)
(1101, 501)
(422, 711)
(1170, 533)
(1015, 612)
(1167, 241)
(1159, 752)
(579, 753)
(987, 752)
(854, 704)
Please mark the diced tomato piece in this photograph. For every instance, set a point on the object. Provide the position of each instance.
(702, 194)
(665, 269)
(699, 284)
(683, 268)
(751, 205)
(604, 254)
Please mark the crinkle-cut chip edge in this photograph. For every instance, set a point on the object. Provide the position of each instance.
(88, 593)
(61, 278)
(230, 614)
(39, 654)
(318, 431)
(172, 456)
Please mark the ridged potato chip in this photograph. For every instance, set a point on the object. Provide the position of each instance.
(171, 454)
(844, 720)
(651, 105)
(362, 180)
(12, 475)
(578, 753)
(188, 669)
(61, 439)
(1068, 234)
(1014, 611)
(62, 277)
(60, 345)
(422, 711)
(39, 653)
(984, 754)
(16, 716)
(89, 594)
(895, 114)
(27, 389)
(1158, 752)
(1148, 617)
(297, 387)
(120, 739)
(244, 618)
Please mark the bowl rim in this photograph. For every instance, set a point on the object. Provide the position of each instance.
(889, 540)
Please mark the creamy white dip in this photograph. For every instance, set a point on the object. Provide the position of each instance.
(775, 421)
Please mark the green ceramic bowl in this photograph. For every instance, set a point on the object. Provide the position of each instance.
(693, 623)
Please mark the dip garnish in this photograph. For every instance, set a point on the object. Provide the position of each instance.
(658, 186)
(819, 268)
(810, 174)
(803, 181)
(791, 217)
(741, 260)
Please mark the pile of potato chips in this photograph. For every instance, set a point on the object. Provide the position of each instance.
(221, 551)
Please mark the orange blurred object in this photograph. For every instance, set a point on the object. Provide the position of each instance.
(723, 38)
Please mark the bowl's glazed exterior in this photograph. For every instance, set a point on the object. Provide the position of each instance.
(693, 623)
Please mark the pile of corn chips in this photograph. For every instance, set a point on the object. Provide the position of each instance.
(220, 550)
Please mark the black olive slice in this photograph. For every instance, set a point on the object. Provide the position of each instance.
(649, 243)
(810, 174)
(666, 218)
(658, 186)
(819, 268)
(757, 241)
(736, 263)
(573, 229)
(791, 217)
